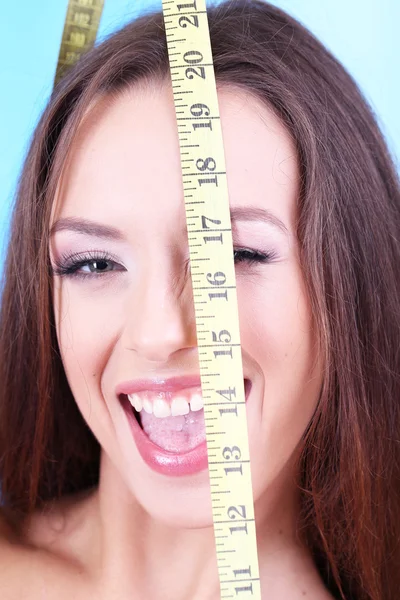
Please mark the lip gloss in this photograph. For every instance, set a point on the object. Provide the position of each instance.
(163, 461)
(160, 460)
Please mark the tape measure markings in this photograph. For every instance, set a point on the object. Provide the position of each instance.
(210, 241)
(79, 34)
(227, 442)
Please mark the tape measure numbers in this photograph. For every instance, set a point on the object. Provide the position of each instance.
(215, 299)
(80, 31)
(213, 275)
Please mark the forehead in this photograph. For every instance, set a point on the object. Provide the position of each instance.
(125, 159)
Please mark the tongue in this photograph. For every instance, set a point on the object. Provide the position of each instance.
(175, 434)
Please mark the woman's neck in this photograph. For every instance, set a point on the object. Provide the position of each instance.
(146, 558)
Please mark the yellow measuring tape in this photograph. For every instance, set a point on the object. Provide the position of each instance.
(80, 30)
(214, 289)
(213, 279)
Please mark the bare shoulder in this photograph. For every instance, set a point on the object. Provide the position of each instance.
(46, 561)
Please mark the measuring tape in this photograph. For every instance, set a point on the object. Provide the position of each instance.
(214, 290)
(80, 31)
(213, 279)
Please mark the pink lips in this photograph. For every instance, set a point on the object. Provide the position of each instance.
(158, 459)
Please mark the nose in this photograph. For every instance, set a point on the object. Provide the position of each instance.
(160, 313)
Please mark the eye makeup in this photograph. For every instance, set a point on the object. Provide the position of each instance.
(95, 264)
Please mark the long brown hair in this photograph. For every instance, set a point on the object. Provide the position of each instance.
(349, 236)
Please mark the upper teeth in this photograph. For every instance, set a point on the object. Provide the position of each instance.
(161, 408)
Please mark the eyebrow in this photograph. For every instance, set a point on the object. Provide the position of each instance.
(91, 228)
(255, 213)
(87, 227)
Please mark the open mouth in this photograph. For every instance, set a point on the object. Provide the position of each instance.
(179, 433)
(172, 421)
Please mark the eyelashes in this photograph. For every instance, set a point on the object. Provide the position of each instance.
(253, 256)
(99, 264)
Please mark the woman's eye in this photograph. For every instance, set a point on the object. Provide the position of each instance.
(85, 266)
(98, 266)
(93, 267)
(252, 256)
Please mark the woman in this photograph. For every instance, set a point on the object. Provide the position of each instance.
(100, 408)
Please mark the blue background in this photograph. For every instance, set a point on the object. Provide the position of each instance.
(362, 34)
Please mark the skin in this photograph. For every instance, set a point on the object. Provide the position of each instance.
(141, 534)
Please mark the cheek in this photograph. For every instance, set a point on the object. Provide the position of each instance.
(275, 317)
(276, 330)
(85, 331)
(86, 320)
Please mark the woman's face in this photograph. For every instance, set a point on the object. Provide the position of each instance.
(127, 311)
